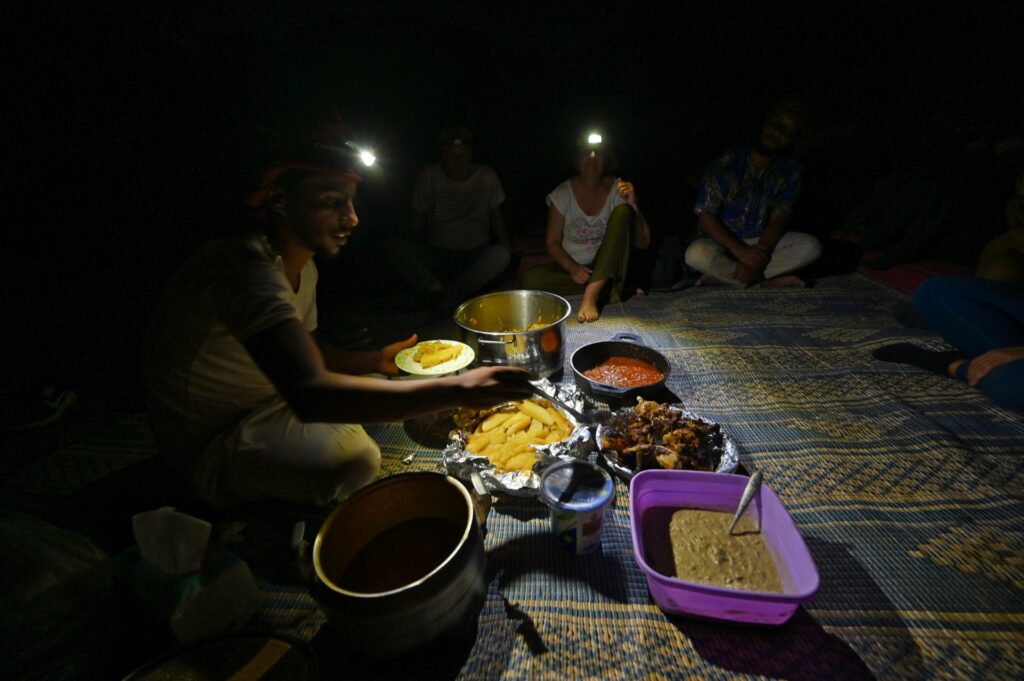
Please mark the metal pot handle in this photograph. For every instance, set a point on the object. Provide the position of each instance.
(303, 552)
(628, 338)
(482, 500)
(488, 341)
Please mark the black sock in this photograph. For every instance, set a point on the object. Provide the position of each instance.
(934, 361)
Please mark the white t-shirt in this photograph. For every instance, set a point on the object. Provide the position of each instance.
(458, 211)
(583, 234)
(200, 377)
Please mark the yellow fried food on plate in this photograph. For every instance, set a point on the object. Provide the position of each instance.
(506, 437)
(440, 357)
(431, 353)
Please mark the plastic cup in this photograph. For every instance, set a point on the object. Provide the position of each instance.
(577, 493)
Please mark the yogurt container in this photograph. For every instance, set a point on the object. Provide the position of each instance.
(578, 494)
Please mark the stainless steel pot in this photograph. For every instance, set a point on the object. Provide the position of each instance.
(442, 605)
(497, 327)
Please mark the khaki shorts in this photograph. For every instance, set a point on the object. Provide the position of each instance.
(271, 453)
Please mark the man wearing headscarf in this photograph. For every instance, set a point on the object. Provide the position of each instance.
(245, 401)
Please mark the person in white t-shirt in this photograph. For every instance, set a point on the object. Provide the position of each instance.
(593, 222)
(458, 243)
(245, 401)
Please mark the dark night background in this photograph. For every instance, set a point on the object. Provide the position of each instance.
(125, 116)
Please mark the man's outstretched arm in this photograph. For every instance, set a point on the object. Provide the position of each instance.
(293, 362)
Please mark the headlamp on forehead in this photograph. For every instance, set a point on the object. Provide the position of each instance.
(348, 154)
(591, 143)
(365, 154)
(321, 149)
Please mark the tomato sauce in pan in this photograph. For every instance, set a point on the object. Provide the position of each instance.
(624, 372)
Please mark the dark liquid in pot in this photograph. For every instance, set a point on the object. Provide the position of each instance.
(400, 555)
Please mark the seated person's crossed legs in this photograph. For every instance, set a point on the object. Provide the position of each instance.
(794, 251)
(271, 453)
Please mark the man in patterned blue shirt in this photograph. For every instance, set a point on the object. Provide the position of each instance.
(743, 206)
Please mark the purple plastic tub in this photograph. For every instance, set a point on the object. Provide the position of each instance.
(721, 492)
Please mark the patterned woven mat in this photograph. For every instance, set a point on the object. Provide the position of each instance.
(906, 486)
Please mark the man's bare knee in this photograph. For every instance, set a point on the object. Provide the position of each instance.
(699, 255)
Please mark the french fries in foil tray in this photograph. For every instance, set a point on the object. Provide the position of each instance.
(511, 444)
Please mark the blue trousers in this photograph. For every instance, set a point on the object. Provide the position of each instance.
(975, 316)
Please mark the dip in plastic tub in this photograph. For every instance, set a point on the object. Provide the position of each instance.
(653, 492)
(578, 494)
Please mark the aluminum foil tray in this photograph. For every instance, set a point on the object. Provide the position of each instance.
(462, 464)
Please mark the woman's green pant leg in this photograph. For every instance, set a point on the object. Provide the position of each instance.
(550, 277)
(612, 258)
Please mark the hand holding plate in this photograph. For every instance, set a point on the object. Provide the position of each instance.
(386, 363)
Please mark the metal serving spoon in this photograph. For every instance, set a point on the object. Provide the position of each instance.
(751, 490)
(587, 417)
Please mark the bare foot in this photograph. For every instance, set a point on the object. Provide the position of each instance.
(588, 312)
(708, 280)
(786, 281)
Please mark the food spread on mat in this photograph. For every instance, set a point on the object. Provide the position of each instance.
(624, 372)
(695, 545)
(507, 435)
(653, 435)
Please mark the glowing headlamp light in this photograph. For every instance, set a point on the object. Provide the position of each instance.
(367, 157)
(594, 138)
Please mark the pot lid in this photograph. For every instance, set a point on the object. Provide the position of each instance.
(576, 486)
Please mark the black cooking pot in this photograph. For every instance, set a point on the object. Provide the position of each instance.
(621, 345)
(442, 605)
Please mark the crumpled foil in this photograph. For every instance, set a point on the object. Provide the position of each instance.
(723, 448)
(461, 463)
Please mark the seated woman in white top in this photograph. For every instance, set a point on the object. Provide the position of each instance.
(593, 221)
